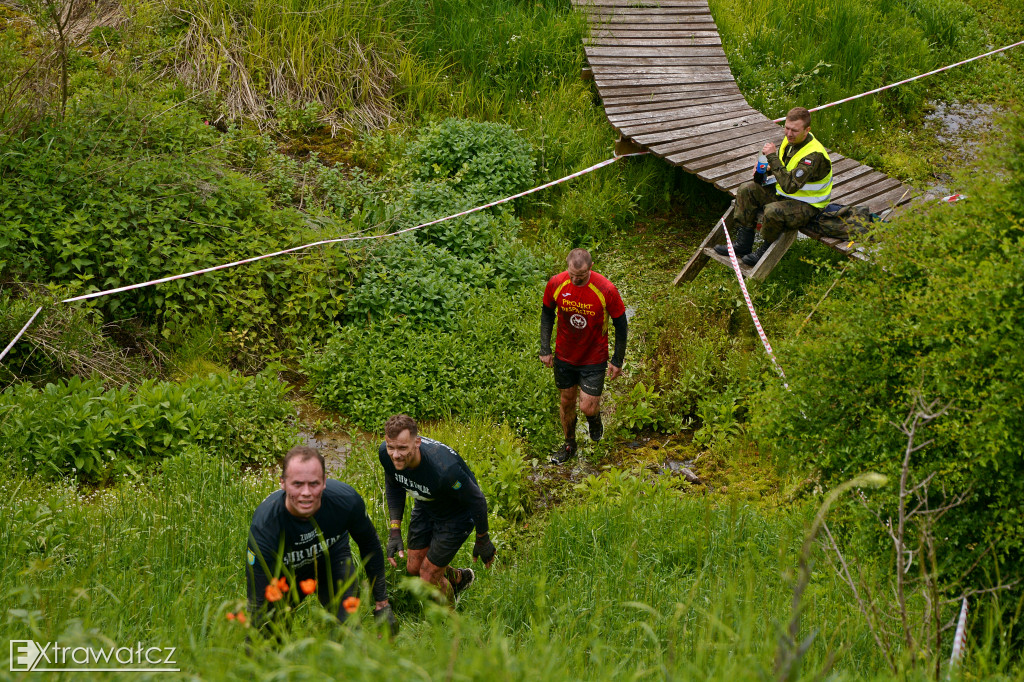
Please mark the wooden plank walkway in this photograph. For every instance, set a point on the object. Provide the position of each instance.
(666, 86)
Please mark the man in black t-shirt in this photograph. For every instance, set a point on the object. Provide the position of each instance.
(449, 503)
(299, 542)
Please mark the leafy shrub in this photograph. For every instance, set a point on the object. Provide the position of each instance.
(483, 364)
(480, 161)
(117, 197)
(79, 428)
(941, 323)
(420, 282)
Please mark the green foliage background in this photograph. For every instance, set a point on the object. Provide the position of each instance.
(935, 316)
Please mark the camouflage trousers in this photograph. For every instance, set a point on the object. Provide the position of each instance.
(780, 214)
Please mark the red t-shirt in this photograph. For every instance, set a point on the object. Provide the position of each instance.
(584, 315)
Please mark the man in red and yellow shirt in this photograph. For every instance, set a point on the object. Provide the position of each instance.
(585, 305)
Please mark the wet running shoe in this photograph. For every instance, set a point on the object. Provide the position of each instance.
(596, 427)
(564, 453)
(466, 577)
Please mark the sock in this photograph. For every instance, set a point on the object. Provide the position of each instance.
(571, 436)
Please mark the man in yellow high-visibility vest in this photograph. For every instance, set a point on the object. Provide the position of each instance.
(798, 187)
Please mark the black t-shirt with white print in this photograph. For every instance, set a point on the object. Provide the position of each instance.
(442, 485)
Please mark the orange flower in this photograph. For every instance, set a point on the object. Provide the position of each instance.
(273, 592)
(351, 604)
(307, 586)
(241, 617)
(229, 615)
(282, 584)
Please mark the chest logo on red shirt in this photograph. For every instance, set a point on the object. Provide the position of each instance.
(578, 321)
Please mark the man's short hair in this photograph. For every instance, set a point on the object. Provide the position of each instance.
(398, 423)
(579, 258)
(799, 114)
(303, 453)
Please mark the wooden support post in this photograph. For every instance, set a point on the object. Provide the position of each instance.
(773, 255)
(624, 146)
(699, 259)
(587, 73)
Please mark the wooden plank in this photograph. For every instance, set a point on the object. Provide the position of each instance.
(681, 110)
(638, 117)
(867, 193)
(652, 17)
(603, 80)
(684, 123)
(743, 162)
(634, 70)
(724, 260)
(773, 255)
(652, 33)
(859, 183)
(652, 42)
(646, 4)
(695, 131)
(655, 107)
(636, 22)
(900, 196)
(669, 98)
(691, 15)
(848, 174)
(731, 140)
(697, 90)
(603, 61)
(699, 259)
(657, 52)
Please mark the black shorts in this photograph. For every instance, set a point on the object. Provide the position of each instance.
(444, 537)
(590, 378)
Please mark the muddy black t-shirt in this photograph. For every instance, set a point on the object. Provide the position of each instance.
(278, 539)
(442, 485)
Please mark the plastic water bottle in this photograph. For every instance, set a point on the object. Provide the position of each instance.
(761, 171)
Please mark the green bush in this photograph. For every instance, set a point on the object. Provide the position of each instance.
(481, 161)
(483, 364)
(936, 315)
(80, 429)
(110, 199)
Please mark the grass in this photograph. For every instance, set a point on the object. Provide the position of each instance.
(160, 561)
(641, 584)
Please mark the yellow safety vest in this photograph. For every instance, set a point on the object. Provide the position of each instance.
(816, 194)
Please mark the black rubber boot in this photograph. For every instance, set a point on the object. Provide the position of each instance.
(752, 258)
(742, 245)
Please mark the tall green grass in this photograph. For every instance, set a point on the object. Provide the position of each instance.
(809, 53)
(646, 585)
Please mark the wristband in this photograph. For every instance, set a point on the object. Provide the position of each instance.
(396, 525)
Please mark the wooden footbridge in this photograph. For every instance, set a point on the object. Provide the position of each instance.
(666, 86)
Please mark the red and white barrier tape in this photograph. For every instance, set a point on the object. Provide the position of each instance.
(953, 198)
(960, 639)
(750, 305)
(908, 80)
(224, 266)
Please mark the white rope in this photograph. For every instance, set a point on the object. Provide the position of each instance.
(224, 266)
